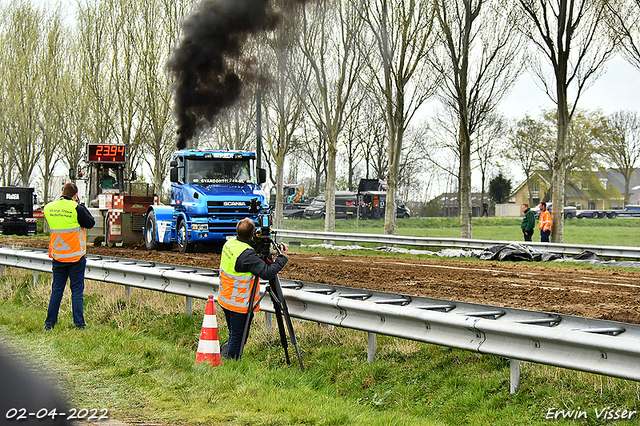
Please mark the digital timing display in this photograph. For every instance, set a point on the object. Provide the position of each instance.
(106, 153)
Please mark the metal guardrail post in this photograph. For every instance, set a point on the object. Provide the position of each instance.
(268, 320)
(189, 307)
(35, 278)
(371, 347)
(514, 368)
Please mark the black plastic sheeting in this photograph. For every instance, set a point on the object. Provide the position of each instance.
(517, 252)
(501, 252)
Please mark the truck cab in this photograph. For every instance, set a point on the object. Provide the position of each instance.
(16, 211)
(210, 192)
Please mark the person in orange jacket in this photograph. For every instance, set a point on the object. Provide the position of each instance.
(544, 223)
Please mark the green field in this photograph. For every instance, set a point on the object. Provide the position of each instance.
(136, 359)
(617, 232)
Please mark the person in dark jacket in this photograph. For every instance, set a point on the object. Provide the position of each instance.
(528, 222)
(67, 220)
(239, 267)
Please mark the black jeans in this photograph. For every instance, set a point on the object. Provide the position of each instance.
(527, 234)
(235, 323)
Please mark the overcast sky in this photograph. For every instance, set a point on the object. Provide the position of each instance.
(617, 89)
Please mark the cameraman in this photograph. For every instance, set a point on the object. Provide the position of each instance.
(239, 262)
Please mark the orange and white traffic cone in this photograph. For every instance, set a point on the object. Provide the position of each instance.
(209, 346)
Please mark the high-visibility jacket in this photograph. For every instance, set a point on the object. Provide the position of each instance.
(235, 287)
(545, 222)
(67, 240)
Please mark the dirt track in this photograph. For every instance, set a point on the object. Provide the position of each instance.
(605, 293)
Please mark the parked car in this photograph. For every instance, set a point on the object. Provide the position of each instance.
(346, 206)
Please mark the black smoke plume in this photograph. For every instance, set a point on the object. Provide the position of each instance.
(213, 36)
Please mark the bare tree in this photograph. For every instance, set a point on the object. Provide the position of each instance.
(122, 35)
(402, 33)
(158, 33)
(329, 42)
(489, 139)
(523, 145)
(314, 150)
(482, 60)
(625, 24)
(53, 64)
(581, 144)
(96, 75)
(75, 104)
(571, 35)
(620, 145)
(21, 82)
(284, 112)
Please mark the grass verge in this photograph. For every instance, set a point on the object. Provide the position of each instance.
(617, 232)
(136, 358)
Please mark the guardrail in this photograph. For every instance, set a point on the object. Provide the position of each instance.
(463, 243)
(591, 345)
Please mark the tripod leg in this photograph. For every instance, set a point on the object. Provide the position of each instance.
(277, 307)
(275, 283)
(247, 323)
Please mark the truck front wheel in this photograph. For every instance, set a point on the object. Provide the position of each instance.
(184, 246)
(150, 234)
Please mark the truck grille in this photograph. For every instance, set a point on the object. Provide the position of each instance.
(228, 207)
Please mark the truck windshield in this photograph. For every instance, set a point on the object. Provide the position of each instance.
(208, 171)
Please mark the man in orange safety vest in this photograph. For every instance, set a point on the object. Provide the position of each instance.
(544, 223)
(67, 220)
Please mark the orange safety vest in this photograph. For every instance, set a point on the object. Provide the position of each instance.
(545, 221)
(67, 239)
(235, 287)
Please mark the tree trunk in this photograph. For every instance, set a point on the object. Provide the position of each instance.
(559, 168)
(465, 184)
(279, 218)
(330, 191)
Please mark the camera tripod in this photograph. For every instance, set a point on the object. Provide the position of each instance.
(280, 307)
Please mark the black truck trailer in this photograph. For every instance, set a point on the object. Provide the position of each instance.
(16, 211)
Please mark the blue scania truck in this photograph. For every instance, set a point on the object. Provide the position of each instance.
(210, 192)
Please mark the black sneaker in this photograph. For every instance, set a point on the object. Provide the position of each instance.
(48, 327)
(81, 327)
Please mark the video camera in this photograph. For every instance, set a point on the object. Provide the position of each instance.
(262, 241)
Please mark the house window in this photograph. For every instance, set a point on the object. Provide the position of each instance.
(604, 182)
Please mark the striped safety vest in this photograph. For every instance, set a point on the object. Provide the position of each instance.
(67, 239)
(545, 221)
(234, 286)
